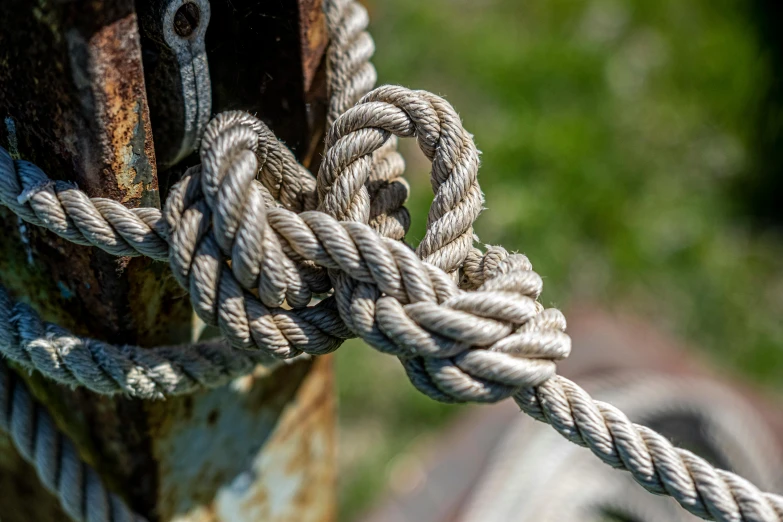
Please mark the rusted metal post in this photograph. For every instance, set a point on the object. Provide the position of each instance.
(73, 100)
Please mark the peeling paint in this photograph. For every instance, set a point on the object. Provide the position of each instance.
(110, 83)
(264, 450)
(132, 149)
(289, 480)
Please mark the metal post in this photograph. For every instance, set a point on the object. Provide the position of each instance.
(73, 100)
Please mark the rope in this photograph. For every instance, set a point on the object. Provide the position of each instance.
(481, 345)
(81, 492)
(660, 468)
(365, 128)
(651, 459)
(145, 373)
(218, 212)
(240, 235)
(531, 476)
(350, 75)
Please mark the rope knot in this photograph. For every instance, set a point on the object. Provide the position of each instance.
(456, 345)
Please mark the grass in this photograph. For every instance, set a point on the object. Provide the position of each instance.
(616, 137)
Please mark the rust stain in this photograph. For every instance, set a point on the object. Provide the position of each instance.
(249, 451)
(117, 79)
(295, 475)
(313, 38)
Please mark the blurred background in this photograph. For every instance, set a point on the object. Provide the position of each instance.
(632, 149)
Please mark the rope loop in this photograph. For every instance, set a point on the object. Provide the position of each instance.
(396, 111)
(455, 345)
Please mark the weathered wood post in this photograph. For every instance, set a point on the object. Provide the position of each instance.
(73, 99)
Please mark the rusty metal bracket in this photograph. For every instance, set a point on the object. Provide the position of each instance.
(176, 74)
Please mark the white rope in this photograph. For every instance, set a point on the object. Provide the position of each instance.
(61, 470)
(532, 476)
(239, 234)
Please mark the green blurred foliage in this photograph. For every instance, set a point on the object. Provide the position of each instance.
(614, 134)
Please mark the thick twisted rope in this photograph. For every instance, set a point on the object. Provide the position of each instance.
(703, 412)
(652, 460)
(81, 492)
(350, 75)
(657, 465)
(219, 211)
(145, 373)
(422, 313)
(461, 347)
(234, 239)
(481, 345)
(197, 259)
(366, 128)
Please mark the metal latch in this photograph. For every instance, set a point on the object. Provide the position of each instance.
(176, 74)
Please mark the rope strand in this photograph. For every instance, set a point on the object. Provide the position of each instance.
(81, 492)
(153, 373)
(660, 468)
